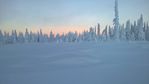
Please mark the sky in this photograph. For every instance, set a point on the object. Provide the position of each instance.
(66, 15)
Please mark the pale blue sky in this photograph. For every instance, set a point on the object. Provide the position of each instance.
(60, 15)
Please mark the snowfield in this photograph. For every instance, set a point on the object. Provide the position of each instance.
(75, 63)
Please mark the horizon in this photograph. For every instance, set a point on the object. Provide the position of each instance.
(64, 16)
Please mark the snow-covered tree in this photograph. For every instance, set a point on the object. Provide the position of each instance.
(135, 30)
(144, 27)
(27, 36)
(76, 36)
(1, 37)
(7, 38)
(128, 28)
(21, 38)
(63, 38)
(41, 38)
(111, 33)
(92, 34)
(51, 38)
(105, 34)
(141, 33)
(132, 36)
(98, 36)
(85, 36)
(122, 33)
(116, 22)
(45, 38)
(36, 37)
(57, 38)
(147, 32)
(98, 29)
(71, 37)
(31, 37)
(14, 36)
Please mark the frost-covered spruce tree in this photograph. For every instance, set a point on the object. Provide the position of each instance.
(132, 32)
(144, 27)
(104, 34)
(76, 36)
(1, 37)
(21, 37)
(36, 37)
(51, 37)
(14, 36)
(135, 31)
(63, 38)
(57, 38)
(85, 36)
(132, 36)
(45, 38)
(92, 34)
(31, 37)
(147, 32)
(141, 34)
(111, 33)
(41, 38)
(26, 36)
(7, 38)
(116, 22)
(71, 37)
(98, 29)
(80, 36)
(128, 28)
(122, 33)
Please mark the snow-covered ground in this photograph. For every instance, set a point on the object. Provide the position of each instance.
(75, 63)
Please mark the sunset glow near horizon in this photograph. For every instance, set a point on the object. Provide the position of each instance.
(62, 16)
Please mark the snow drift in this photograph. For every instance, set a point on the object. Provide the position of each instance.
(75, 63)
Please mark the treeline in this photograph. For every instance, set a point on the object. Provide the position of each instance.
(131, 31)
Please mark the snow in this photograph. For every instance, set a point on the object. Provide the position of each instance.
(75, 63)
